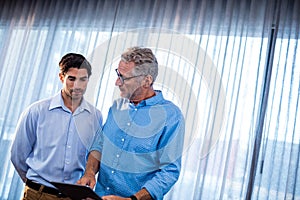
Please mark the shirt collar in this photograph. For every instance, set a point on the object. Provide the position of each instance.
(57, 102)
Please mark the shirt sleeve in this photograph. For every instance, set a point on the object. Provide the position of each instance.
(170, 159)
(23, 143)
(97, 143)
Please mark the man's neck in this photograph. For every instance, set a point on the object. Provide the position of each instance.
(147, 95)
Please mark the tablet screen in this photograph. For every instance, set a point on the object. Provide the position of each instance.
(76, 192)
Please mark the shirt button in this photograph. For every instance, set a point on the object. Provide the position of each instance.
(128, 124)
(123, 139)
(135, 109)
(107, 188)
(67, 162)
(118, 155)
(112, 171)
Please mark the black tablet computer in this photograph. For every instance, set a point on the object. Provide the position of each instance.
(76, 192)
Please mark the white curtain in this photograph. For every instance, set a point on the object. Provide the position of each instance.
(232, 66)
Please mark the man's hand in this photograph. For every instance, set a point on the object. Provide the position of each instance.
(143, 194)
(113, 197)
(87, 180)
(92, 167)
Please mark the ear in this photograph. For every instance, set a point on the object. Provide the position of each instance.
(148, 81)
(61, 77)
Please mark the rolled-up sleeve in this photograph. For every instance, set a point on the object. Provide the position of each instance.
(170, 159)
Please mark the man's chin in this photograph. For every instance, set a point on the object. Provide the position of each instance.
(125, 96)
(122, 94)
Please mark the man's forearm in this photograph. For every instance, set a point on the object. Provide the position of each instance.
(91, 168)
(93, 163)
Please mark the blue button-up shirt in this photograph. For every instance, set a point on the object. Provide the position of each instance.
(141, 147)
(51, 142)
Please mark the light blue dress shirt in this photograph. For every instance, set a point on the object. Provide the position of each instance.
(51, 142)
(141, 147)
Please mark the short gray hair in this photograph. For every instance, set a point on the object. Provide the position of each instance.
(144, 60)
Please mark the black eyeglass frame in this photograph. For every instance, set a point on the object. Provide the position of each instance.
(122, 79)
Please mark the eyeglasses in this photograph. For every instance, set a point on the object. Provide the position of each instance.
(122, 79)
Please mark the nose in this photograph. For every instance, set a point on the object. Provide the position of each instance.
(118, 82)
(77, 84)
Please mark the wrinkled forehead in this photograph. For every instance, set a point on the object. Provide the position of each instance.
(125, 67)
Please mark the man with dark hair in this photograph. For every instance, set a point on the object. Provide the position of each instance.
(53, 135)
(138, 153)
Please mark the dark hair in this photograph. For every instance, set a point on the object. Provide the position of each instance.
(74, 60)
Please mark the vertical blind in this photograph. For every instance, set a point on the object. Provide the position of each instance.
(232, 66)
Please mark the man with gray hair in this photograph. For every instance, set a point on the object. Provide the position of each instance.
(138, 153)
